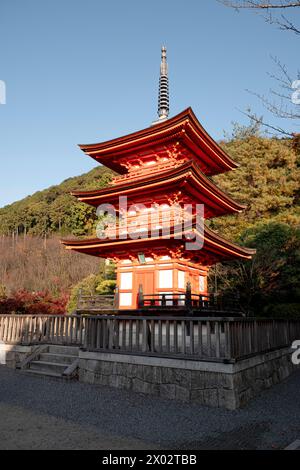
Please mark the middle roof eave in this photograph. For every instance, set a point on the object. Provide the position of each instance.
(186, 172)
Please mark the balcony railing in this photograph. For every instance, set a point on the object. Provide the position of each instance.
(186, 300)
(87, 302)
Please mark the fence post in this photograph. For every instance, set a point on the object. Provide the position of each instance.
(116, 298)
(228, 343)
(140, 296)
(188, 295)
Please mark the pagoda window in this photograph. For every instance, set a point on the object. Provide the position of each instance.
(181, 279)
(126, 281)
(165, 279)
(125, 299)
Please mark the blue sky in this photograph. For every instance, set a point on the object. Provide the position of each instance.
(82, 71)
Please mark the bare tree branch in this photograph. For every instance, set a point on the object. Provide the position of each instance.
(285, 108)
(287, 25)
(286, 100)
(261, 5)
(278, 110)
(259, 120)
(268, 7)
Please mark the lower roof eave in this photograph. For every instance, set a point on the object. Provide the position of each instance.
(212, 246)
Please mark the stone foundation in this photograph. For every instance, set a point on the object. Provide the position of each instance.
(207, 383)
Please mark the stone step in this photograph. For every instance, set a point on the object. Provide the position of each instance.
(44, 366)
(57, 358)
(41, 373)
(65, 350)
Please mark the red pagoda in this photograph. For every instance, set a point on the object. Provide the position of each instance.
(160, 171)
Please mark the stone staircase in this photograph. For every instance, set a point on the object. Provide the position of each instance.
(53, 361)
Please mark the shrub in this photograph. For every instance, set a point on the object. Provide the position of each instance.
(33, 303)
(93, 284)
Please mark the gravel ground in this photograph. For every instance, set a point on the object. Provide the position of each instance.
(41, 413)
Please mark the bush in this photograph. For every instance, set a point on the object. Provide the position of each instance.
(106, 287)
(269, 284)
(33, 303)
(2, 291)
(286, 311)
(93, 284)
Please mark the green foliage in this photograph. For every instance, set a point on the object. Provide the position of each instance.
(106, 287)
(267, 181)
(88, 284)
(54, 209)
(101, 283)
(3, 291)
(269, 284)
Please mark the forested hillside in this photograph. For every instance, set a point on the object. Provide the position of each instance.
(54, 209)
(267, 181)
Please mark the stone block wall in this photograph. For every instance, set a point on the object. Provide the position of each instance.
(208, 383)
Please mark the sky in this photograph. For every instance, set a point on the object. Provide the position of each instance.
(85, 71)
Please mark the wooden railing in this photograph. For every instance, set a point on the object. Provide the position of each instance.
(249, 337)
(191, 301)
(89, 302)
(216, 339)
(38, 329)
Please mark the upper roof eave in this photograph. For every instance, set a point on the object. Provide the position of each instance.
(186, 121)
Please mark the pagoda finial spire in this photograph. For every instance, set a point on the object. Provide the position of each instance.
(163, 96)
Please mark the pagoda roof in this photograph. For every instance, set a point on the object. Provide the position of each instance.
(215, 248)
(186, 179)
(184, 129)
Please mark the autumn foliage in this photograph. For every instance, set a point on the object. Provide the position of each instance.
(33, 303)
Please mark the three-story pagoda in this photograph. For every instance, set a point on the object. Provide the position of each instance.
(160, 171)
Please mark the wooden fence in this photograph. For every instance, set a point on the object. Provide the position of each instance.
(218, 339)
(200, 338)
(52, 329)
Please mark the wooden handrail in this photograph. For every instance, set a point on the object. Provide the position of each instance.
(217, 339)
(202, 338)
(92, 301)
(42, 329)
(187, 299)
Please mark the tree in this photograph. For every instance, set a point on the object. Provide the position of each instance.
(54, 209)
(284, 99)
(267, 181)
(269, 284)
(92, 284)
